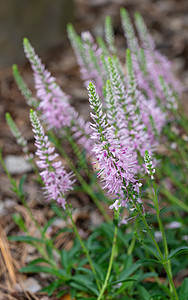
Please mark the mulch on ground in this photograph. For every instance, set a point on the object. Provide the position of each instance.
(168, 22)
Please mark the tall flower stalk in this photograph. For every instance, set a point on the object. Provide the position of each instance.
(117, 167)
(54, 103)
(57, 182)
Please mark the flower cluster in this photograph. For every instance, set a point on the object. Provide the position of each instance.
(57, 182)
(127, 116)
(118, 165)
(130, 100)
(149, 64)
(131, 111)
(149, 164)
(88, 56)
(54, 103)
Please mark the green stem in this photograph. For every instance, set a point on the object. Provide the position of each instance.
(43, 253)
(140, 237)
(161, 259)
(131, 246)
(161, 227)
(84, 184)
(171, 282)
(110, 264)
(85, 250)
(156, 203)
(149, 231)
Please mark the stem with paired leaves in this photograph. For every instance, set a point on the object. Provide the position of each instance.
(160, 258)
(85, 250)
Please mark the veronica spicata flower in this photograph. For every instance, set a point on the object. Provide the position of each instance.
(149, 63)
(88, 56)
(118, 165)
(57, 182)
(127, 110)
(56, 110)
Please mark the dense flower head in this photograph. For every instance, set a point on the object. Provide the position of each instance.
(57, 182)
(88, 55)
(128, 110)
(118, 165)
(54, 103)
(149, 63)
(159, 61)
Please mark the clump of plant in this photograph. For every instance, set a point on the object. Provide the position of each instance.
(134, 108)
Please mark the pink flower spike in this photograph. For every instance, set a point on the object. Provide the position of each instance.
(57, 182)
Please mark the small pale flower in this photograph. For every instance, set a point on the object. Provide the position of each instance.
(116, 205)
(149, 165)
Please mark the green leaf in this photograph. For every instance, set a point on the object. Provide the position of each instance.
(101, 273)
(121, 281)
(163, 210)
(38, 260)
(61, 293)
(128, 271)
(57, 210)
(49, 250)
(60, 231)
(183, 290)
(19, 221)
(86, 282)
(21, 183)
(152, 206)
(151, 249)
(105, 256)
(48, 224)
(65, 262)
(147, 260)
(26, 239)
(42, 269)
(78, 287)
(92, 238)
(52, 287)
(147, 275)
(85, 270)
(177, 251)
(184, 296)
(143, 293)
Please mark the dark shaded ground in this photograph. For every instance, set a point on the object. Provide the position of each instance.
(168, 22)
